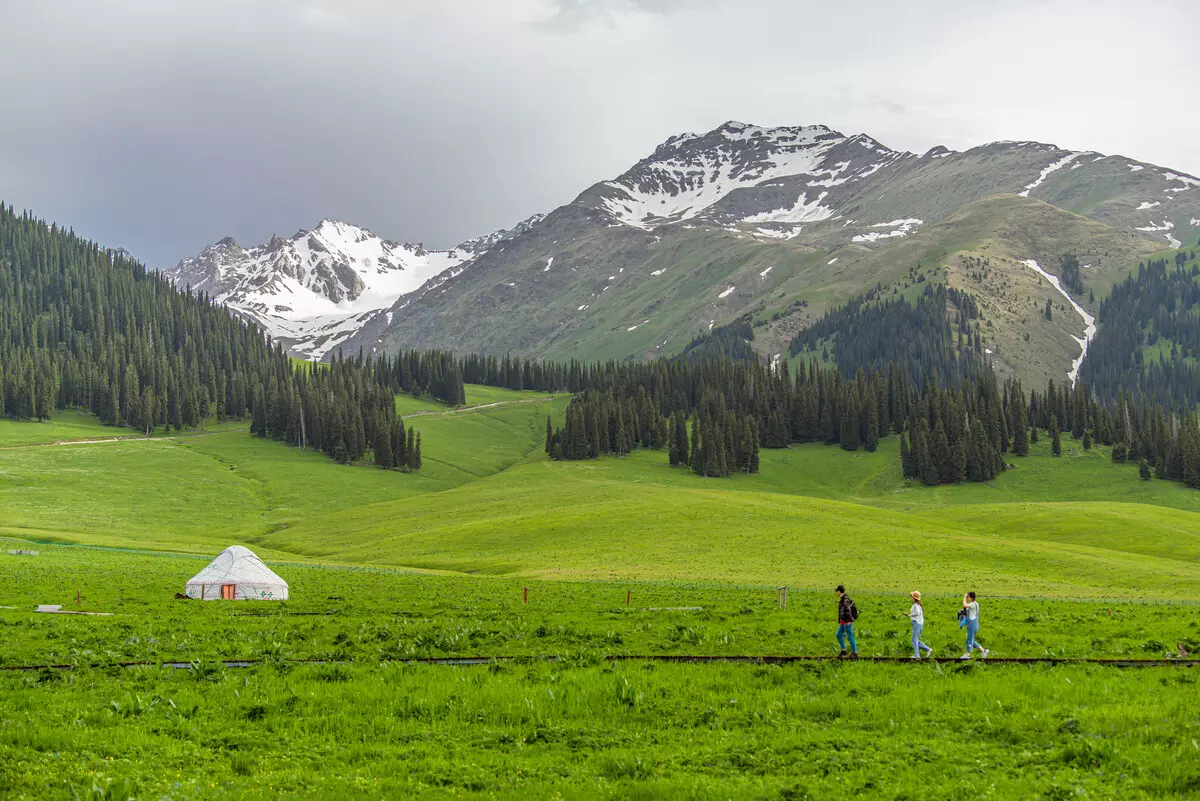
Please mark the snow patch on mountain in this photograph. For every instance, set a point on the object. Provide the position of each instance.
(801, 211)
(1058, 165)
(1089, 322)
(1147, 204)
(899, 228)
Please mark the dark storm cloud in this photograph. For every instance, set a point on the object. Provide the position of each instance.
(162, 126)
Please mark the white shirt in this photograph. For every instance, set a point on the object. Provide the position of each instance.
(917, 613)
(973, 610)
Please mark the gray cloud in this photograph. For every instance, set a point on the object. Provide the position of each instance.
(571, 15)
(164, 126)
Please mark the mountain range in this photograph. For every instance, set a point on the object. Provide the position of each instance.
(772, 225)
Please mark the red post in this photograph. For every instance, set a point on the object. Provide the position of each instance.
(628, 596)
(526, 595)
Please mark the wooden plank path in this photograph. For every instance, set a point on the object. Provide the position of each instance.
(464, 661)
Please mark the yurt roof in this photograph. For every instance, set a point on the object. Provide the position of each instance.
(237, 565)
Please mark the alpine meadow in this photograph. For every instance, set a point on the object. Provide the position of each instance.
(782, 463)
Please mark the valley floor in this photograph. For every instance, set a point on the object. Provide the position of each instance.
(1072, 557)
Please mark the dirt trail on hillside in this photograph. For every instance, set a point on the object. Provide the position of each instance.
(481, 407)
(130, 438)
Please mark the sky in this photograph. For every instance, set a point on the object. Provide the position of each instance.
(163, 125)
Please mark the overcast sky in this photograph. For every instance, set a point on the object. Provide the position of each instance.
(163, 125)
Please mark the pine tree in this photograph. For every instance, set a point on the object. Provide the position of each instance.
(1055, 439)
(1144, 469)
(906, 460)
(413, 456)
(549, 434)
(383, 448)
(416, 460)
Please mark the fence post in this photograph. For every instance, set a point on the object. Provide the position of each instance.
(628, 597)
(78, 597)
(526, 595)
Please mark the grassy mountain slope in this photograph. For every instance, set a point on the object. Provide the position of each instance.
(489, 501)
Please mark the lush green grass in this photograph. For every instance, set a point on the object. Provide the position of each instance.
(1118, 556)
(477, 395)
(489, 501)
(625, 731)
(71, 426)
(577, 727)
(371, 614)
(196, 492)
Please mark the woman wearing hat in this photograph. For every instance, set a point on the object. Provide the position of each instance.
(917, 613)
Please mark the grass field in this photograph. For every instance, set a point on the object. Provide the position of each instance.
(1072, 557)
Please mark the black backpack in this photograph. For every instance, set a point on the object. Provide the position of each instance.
(853, 612)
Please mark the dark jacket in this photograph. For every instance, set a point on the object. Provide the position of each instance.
(845, 609)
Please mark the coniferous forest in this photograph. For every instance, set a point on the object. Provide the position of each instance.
(1159, 308)
(82, 327)
(863, 334)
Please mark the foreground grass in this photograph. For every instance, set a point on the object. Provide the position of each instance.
(587, 731)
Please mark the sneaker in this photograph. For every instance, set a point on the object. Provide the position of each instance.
(915, 658)
(985, 654)
(842, 655)
(929, 654)
(854, 655)
(965, 656)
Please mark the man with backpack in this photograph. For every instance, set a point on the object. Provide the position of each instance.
(847, 614)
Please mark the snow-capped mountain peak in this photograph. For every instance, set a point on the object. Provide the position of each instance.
(310, 289)
(696, 175)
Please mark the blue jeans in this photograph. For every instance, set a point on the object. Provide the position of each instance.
(972, 631)
(846, 630)
(916, 640)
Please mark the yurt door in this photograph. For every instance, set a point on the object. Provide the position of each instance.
(227, 592)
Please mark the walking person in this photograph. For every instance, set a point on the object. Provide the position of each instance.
(917, 614)
(847, 614)
(970, 617)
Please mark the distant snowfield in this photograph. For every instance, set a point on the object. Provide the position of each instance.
(1089, 322)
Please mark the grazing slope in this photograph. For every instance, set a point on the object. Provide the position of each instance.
(490, 501)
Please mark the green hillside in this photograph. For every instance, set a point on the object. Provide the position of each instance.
(489, 501)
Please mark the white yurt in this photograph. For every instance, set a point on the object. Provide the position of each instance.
(237, 575)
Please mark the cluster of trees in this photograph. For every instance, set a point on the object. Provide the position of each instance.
(714, 414)
(942, 334)
(1160, 306)
(1069, 274)
(733, 340)
(625, 416)
(86, 328)
(599, 422)
(957, 434)
(345, 409)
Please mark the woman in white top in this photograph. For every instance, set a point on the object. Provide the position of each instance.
(971, 608)
(917, 613)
